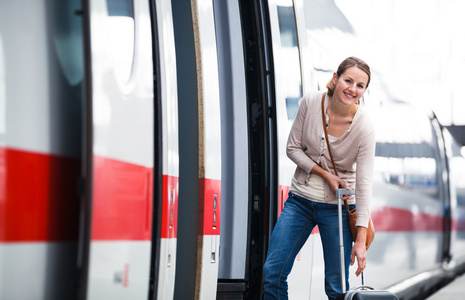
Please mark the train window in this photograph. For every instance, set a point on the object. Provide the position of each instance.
(290, 58)
(120, 26)
(287, 26)
(67, 39)
(408, 158)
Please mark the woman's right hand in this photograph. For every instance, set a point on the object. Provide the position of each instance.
(334, 182)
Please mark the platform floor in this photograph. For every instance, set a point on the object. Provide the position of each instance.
(453, 291)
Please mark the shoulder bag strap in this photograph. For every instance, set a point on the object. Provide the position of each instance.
(325, 125)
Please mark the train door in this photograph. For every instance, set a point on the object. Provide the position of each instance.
(124, 137)
(41, 73)
(199, 150)
(258, 113)
(288, 34)
(245, 74)
(456, 171)
(166, 170)
(444, 193)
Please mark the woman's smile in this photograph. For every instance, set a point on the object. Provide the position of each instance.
(351, 85)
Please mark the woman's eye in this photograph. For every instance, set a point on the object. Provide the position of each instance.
(360, 86)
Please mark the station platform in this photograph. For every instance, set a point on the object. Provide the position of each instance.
(453, 291)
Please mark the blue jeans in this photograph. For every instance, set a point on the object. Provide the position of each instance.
(292, 230)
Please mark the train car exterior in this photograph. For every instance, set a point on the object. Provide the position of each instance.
(119, 151)
(167, 157)
(91, 112)
(128, 241)
(41, 76)
(456, 163)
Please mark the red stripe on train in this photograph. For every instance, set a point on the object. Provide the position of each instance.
(38, 197)
(169, 226)
(390, 219)
(396, 219)
(122, 200)
(283, 194)
(209, 206)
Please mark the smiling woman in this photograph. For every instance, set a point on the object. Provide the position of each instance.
(312, 198)
(349, 88)
(359, 70)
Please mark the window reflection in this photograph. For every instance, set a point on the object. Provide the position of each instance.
(120, 25)
(67, 39)
(290, 58)
(408, 164)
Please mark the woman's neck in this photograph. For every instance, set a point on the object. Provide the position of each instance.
(338, 109)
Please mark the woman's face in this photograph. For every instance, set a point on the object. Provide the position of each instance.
(350, 86)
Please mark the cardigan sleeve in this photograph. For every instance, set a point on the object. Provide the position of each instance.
(364, 175)
(295, 149)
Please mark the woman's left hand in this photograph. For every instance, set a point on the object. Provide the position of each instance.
(359, 251)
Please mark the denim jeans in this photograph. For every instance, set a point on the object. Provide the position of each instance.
(292, 230)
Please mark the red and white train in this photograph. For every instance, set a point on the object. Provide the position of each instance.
(142, 153)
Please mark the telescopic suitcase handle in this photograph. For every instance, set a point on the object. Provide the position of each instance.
(339, 194)
(343, 192)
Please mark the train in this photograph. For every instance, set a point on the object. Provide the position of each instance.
(142, 152)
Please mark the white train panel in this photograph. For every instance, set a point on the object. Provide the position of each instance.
(119, 270)
(40, 144)
(35, 93)
(122, 147)
(122, 70)
(207, 257)
(37, 270)
(168, 87)
(2, 92)
(166, 279)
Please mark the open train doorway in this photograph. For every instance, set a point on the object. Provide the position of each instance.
(249, 152)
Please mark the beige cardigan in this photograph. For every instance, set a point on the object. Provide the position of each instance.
(353, 152)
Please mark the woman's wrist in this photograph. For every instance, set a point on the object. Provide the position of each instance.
(361, 235)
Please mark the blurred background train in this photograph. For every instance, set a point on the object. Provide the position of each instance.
(142, 152)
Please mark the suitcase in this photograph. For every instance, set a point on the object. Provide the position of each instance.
(362, 292)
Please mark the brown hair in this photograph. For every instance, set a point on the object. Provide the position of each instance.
(348, 63)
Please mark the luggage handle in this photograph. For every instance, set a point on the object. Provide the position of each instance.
(339, 193)
(363, 288)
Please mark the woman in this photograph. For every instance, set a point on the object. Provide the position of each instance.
(312, 200)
